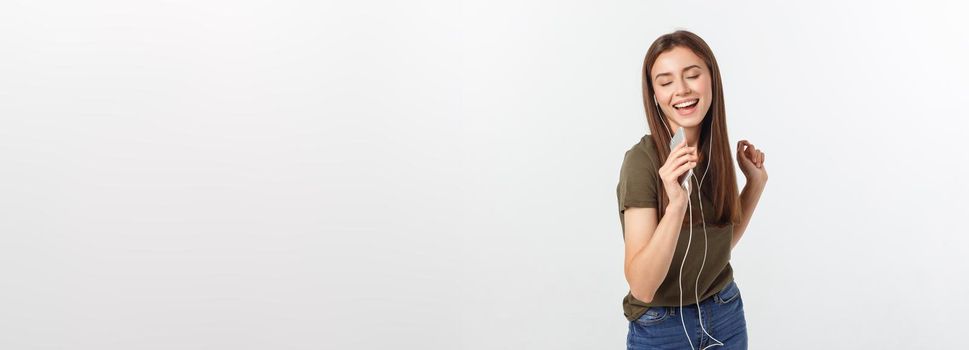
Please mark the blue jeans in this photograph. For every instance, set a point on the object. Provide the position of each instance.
(661, 327)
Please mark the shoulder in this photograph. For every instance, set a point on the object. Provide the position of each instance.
(641, 155)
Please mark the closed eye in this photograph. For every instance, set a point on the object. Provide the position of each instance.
(693, 77)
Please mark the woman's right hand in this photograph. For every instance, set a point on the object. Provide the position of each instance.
(681, 159)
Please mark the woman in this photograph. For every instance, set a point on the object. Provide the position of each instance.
(682, 294)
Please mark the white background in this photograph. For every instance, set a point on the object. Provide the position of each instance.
(441, 175)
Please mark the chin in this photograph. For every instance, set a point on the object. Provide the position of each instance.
(689, 122)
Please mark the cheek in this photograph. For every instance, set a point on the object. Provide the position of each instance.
(705, 90)
(702, 86)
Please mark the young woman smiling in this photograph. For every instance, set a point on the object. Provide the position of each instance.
(682, 294)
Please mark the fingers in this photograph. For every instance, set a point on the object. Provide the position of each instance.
(673, 177)
(679, 151)
(743, 151)
(743, 146)
(681, 160)
(689, 152)
(680, 145)
(682, 169)
(747, 152)
(681, 156)
(673, 164)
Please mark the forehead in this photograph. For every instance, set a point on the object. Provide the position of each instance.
(673, 61)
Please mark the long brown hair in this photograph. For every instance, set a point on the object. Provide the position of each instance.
(721, 182)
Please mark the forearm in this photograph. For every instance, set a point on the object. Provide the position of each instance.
(748, 202)
(649, 266)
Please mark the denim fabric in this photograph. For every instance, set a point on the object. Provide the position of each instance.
(661, 327)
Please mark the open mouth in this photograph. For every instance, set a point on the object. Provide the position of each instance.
(686, 107)
(687, 104)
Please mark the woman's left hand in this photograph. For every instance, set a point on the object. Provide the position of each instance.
(751, 163)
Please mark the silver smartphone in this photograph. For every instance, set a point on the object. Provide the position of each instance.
(684, 179)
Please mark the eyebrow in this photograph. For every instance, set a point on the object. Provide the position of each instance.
(684, 69)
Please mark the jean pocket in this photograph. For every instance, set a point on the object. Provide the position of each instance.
(653, 315)
(728, 293)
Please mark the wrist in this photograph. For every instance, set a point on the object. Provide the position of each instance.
(755, 184)
(677, 208)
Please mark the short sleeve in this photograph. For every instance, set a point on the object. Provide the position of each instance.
(637, 181)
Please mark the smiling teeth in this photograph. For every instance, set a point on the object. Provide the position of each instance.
(685, 104)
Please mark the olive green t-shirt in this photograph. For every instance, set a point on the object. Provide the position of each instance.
(638, 186)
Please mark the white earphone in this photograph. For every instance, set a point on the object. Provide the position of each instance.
(704, 222)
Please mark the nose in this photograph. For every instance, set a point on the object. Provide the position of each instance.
(683, 89)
